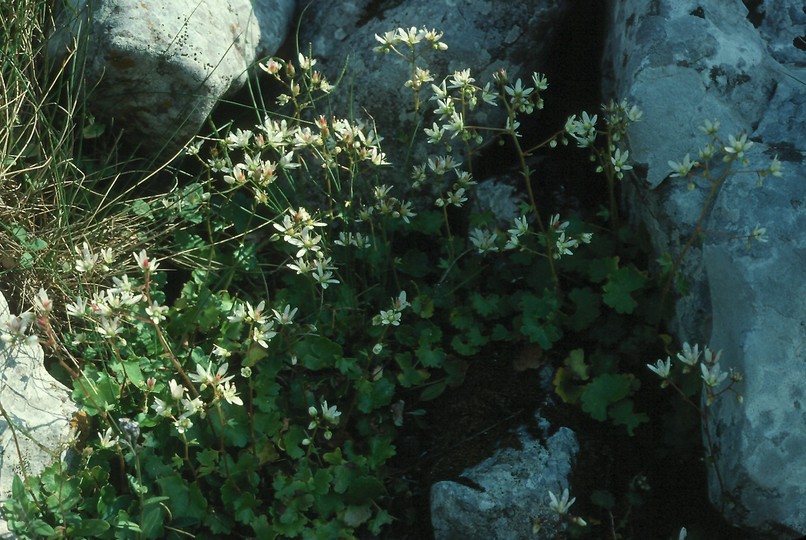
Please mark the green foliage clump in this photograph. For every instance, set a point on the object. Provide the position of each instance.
(317, 302)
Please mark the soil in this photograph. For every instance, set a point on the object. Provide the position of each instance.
(467, 424)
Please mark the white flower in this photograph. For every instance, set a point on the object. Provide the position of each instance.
(400, 303)
(709, 127)
(107, 440)
(192, 406)
(239, 139)
(122, 284)
(221, 352)
(759, 234)
(156, 312)
(330, 414)
(229, 393)
(690, 356)
(387, 317)
(77, 309)
(161, 407)
(483, 239)
(87, 262)
(540, 80)
(712, 375)
(255, 314)
(323, 277)
(738, 146)
(561, 505)
(683, 168)
(305, 241)
(238, 315)
(434, 135)
(110, 328)
(206, 377)
(144, 263)
(662, 367)
(564, 246)
(263, 334)
(775, 167)
(520, 226)
(300, 266)
(176, 389)
(183, 424)
(286, 317)
(42, 302)
(619, 161)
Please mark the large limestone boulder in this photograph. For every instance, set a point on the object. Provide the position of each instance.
(158, 68)
(684, 62)
(35, 429)
(503, 496)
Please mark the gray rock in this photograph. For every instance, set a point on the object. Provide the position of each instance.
(39, 408)
(481, 35)
(158, 68)
(684, 62)
(509, 493)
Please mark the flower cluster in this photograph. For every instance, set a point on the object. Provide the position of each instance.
(735, 150)
(328, 418)
(392, 317)
(108, 309)
(410, 37)
(298, 229)
(254, 159)
(14, 329)
(561, 506)
(711, 372)
(613, 160)
(564, 240)
(387, 205)
(285, 72)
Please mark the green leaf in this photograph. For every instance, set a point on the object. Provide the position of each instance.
(538, 315)
(423, 306)
(463, 347)
(363, 489)
(375, 394)
(565, 385)
(462, 318)
(317, 352)
(131, 370)
(409, 376)
(433, 391)
(101, 395)
(41, 528)
(623, 414)
(381, 449)
(152, 522)
(90, 527)
(187, 504)
(587, 310)
(254, 354)
(356, 515)
(486, 305)
(429, 357)
(621, 283)
(575, 361)
(603, 391)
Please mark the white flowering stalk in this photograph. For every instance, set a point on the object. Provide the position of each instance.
(328, 418)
